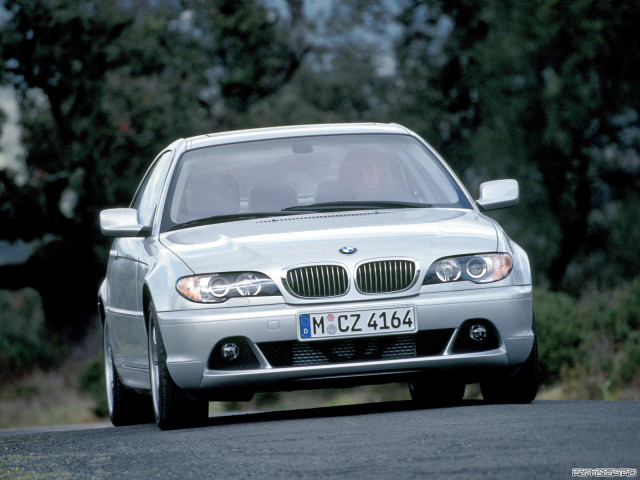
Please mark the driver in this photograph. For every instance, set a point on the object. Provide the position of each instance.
(362, 175)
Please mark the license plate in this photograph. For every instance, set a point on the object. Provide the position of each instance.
(358, 322)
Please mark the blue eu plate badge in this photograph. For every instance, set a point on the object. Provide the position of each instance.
(305, 325)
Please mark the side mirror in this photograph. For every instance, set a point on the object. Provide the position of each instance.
(498, 194)
(122, 222)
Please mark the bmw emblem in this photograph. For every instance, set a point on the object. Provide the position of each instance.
(348, 250)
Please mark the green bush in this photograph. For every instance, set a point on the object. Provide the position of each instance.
(92, 381)
(627, 313)
(613, 335)
(559, 331)
(23, 344)
(592, 344)
(628, 367)
(20, 354)
(21, 314)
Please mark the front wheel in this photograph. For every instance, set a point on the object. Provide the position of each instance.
(520, 387)
(172, 408)
(126, 407)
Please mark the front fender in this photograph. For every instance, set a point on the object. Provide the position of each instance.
(164, 269)
(522, 267)
(103, 297)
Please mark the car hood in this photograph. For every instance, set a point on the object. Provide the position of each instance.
(271, 244)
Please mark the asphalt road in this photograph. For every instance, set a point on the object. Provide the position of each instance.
(545, 439)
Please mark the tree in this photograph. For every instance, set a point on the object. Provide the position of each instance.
(56, 54)
(103, 87)
(546, 91)
(348, 73)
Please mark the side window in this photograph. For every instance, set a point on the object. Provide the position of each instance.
(148, 194)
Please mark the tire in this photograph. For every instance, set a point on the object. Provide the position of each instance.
(126, 406)
(171, 406)
(519, 387)
(435, 392)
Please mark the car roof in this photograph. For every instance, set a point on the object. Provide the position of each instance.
(293, 131)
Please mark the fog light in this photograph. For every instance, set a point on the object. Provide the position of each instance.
(230, 351)
(477, 333)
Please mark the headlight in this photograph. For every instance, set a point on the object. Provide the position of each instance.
(219, 287)
(482, 268)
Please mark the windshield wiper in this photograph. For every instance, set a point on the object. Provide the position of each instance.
(314, 207)
(351, 205)
(228, 218)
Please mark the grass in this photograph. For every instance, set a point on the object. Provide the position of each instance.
(46, 398)
(52, 396)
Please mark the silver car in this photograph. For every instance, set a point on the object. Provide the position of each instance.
(309, 257)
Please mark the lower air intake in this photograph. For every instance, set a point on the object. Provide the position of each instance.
(326, 352)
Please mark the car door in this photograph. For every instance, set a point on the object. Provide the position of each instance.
(128, 264)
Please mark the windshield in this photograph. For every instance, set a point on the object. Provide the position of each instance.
(293, 175)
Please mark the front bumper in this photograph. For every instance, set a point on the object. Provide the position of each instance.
(190, 336)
